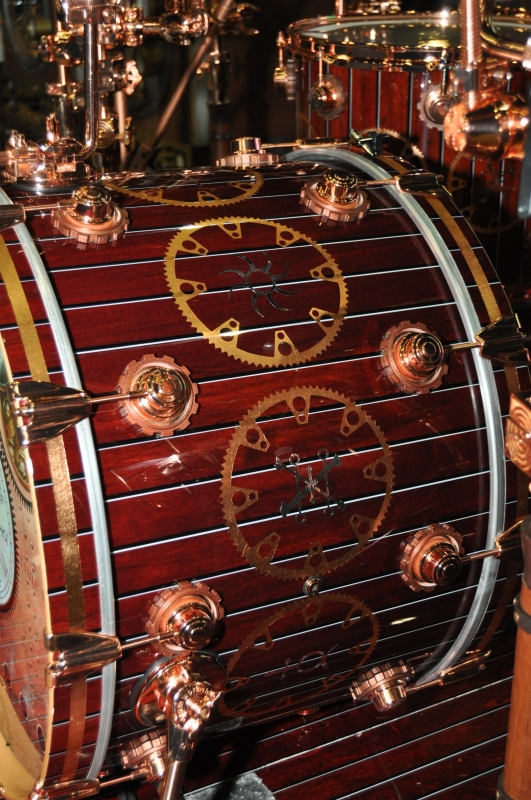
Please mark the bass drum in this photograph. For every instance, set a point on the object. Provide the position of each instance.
(302, 470)
(386, 73)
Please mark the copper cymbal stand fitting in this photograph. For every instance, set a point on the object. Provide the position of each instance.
(92, 219)
(182, 691)
(247, 152)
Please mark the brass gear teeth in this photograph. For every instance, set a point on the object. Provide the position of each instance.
(416, 152)
(229, 347)
(415, 545)
(156, 196)
(264, 565)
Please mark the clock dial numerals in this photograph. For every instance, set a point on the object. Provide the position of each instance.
(298, 460)
(272, 669)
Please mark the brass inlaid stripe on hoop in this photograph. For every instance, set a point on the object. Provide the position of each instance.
(64, 502)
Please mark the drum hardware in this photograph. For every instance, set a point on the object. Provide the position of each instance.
(327, 96)
(162, 402)
(285, 75)
(414, 357)
(181, 620)
(494, 128)
(158, 396)
(312, 586)
(434, 556)
(191, 610)
(146, 753)
(248, 152)
(183, 21)
(92, 219)
(222, 17)
(387, 685)
(183, 692)
(338, 198)
(436, 101)
(495, 45)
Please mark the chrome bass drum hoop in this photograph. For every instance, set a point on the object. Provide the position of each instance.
(493, 419)
(94, 490)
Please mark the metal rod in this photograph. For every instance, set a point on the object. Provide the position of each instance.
(173, 783)
(471, 52)
(120, 106)
(92, 95)
(111, 398)
(146, 149)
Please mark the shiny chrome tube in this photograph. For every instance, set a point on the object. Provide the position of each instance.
(92, 97)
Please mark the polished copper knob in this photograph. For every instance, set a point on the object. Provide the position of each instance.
(191, 610)
(431, 557)
(413, 357)
(166, 395)
(335, 198)
(247, 151)
(327, 97)
(441, 565)
(92, 204)
(384, 685)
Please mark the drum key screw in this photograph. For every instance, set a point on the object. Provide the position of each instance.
(92, 219)
(335, 198)
(247, 152)
(312, 586)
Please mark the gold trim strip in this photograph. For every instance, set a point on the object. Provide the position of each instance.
(64, 502)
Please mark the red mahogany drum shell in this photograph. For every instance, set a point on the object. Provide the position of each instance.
(303, 458)
(386, 66)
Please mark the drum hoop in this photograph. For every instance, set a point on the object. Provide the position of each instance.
(94, 489)
(487, 385)
(376, 56)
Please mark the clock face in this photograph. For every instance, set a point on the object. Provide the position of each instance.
(7, 543)
(306, 482)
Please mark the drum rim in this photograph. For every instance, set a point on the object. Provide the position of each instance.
(92, 478)
(374, 56)
(487, 385)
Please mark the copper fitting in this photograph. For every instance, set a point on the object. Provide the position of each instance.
(494, 129)
(335, 198)
(431, 557)
(413, 357)
(191, 610)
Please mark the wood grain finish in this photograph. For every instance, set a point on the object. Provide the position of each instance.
(164, 498)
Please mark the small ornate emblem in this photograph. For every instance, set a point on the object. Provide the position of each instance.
(258, 291)
(311, 486)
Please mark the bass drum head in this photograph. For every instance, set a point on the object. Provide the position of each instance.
(25, 700)
(409, 43)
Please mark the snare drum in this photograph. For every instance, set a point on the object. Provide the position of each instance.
(302, 472)
(395, 66)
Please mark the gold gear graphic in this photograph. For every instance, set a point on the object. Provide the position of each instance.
(205, 198)
(262, 638)
(249, 434)
(225, 337)
(408, 151)
(454, 184)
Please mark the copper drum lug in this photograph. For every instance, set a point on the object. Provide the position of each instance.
(385, 685)
(327, 98)
(335, 198)
(413, 357)
(518, 433)
(247, 152)
(493, 129)
(431, 557)
(191, 610)
(168, 396)
(93, 220)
